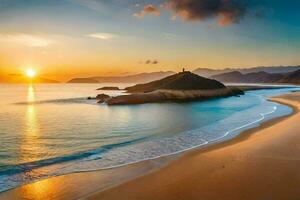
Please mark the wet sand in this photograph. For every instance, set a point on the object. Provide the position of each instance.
(262, 163)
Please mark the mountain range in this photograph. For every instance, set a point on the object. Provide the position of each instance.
(137, 78)
(204, 72)
(259, 77)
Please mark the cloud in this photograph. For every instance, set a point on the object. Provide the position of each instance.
(103, 36)
(148, 9)
(151, 62)
(26, 39)
(227, 11)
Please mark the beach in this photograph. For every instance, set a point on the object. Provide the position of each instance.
(261, 163)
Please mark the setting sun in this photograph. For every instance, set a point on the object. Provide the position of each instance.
(30, 73)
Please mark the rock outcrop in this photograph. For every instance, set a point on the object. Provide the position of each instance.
(109, 88)
(160, 96)
(101, 98)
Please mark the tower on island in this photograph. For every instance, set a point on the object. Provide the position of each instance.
(183, 69)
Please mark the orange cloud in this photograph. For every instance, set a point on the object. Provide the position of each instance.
(148, 9)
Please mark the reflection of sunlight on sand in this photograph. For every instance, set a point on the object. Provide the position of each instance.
(39, 189)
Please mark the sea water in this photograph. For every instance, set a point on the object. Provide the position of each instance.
(49, 130)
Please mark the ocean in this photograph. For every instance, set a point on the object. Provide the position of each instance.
(52, 129)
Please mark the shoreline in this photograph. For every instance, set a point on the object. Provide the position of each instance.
(173, 182)
(143, 165)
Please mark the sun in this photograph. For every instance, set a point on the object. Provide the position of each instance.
(30, 73)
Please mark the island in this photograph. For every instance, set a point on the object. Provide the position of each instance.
(180, 87)
(109, 88)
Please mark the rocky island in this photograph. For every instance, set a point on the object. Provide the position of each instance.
(180, 87)
(109, 88)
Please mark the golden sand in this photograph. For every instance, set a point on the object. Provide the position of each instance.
(264, 165)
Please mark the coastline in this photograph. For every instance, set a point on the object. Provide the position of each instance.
(261, 163)
(150, 168)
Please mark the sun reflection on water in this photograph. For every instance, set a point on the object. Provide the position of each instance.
(31, 121)
(30, 93)
(30, 147)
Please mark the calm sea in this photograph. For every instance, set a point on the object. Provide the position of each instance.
(49, 130)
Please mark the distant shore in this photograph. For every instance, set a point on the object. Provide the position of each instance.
(261, 163)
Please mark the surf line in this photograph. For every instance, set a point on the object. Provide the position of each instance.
(187, 149)
(263, 116)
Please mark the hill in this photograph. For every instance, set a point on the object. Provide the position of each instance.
(179, 81)
(83, 80)
(206, 72)
(137, 78)
(291, 78)
(256, 77)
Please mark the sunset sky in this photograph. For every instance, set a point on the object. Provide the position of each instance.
(62, 39)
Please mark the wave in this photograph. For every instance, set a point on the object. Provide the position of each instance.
(15, 169)
(263, 115)
(204, 142)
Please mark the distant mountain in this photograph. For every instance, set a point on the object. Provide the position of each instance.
(137, 78)
(179, 81)
(206, 72)
(292, 78)
(259, 77)
(45, 80)
(83, 80)
(256, 77)
(276, 69)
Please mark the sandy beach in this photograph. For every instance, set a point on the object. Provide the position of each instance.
(262, 163)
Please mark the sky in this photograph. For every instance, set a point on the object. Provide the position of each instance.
(62, 39)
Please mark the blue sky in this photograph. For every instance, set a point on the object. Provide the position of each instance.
(120, 36)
